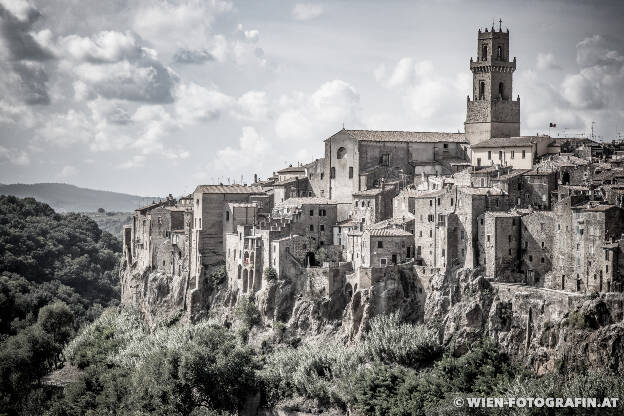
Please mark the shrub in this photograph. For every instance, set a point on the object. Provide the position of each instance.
(270, 274)
(247, 312)
(392, 342)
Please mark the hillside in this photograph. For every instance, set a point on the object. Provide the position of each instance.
(69, 198)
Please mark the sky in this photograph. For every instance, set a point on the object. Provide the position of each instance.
(156, 97)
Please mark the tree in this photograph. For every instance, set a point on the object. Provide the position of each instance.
(101, 210)
(270, 274)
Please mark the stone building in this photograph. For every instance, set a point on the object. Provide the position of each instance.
(585, 253)
(380, 247)
(311, 217)
(517, 152)
(209, 219)
(499, 245)
(373, 205)
(357, 160)
(492, 112)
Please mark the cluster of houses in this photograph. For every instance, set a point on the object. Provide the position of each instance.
(534, 210)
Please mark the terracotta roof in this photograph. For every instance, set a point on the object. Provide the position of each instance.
(295, 202)
(405, 136)
(228, 189)
(523, 141)
(389, 232)
(292, 169)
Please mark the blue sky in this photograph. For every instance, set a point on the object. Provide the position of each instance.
(153, 97)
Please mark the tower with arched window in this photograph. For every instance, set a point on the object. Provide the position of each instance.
(492, 111)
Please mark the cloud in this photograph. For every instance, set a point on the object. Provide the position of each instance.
(431, 100)
(68, 171)
(22, 57)
(195, 103)
(307, 11)
(248, 156)
(13, 156)
(253, 106)
(186, 56)
(600, 81)
(324, 110)
(546, 61)
(115, 65)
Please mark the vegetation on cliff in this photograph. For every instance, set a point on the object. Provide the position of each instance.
(57, 272)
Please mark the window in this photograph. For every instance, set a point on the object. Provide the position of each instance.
(322, 213)
(445, 145)
(322, 227)
(227, 215)
(322, 175)
(489, 155)
(368, 204)
(501, 90)
(379, 244)
(356, 203)
(523, 154)
(200, 223)
(481, 221)
(513, 154)
(438, 201)
(431, 202)
(430, 218)
(309, 193)
(510, 252)
(542, 260)
(451, 201)
(420, 234)
(481, 90)
(530, 258)
(341, 153)
(482, 182)
(418, 250)
(443, 252)
(350, 172)
(311, 227)
(441, 219)
(382, 262)
(332, 173)
(500, 155)
(542, 244)
(462, 235)
(509, 238)
(311, 212)
(484, 53)
(606, 255)
(430, 233)
(385, 159)
(499, 53)
(478, 161)
(488, 238)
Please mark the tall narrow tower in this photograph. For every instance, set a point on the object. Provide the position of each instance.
(492, 112)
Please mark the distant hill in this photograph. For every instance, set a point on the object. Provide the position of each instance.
(69, 198)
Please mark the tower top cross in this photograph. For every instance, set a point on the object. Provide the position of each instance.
(500, 25)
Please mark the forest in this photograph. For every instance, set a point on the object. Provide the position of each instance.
(59, 299)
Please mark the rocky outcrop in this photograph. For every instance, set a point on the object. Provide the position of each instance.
(546, 329)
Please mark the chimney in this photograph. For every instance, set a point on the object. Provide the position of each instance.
(255, 178)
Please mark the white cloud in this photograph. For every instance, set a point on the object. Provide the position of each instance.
(304, 118)
(21, 9)
(546, 61)
(307, 11)
(248, 156)
(15, 157)
(432, 101)
(253, 106)
(195, 103)
(68, 171)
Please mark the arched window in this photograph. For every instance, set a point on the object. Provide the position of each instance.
(499, 53)
(341, 153)
(501, 90)
(481, 90)
(332, 172)
(484, 53)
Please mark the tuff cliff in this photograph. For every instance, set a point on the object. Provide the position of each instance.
(547, 330)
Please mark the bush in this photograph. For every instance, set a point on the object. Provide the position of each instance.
(247, 312)
(270, 274)
(392, 342)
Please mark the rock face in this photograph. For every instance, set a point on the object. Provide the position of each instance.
(548, 330)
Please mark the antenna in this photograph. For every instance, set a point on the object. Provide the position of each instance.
(500, 25)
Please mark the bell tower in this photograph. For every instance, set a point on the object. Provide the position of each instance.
(492, 112)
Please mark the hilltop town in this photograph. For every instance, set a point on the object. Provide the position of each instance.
(534, 215)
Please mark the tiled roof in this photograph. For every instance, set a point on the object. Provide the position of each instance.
(373, 191)
(523, 141)
(228, 189)
(405, 136)
(292, 169)
(389, 232)
(296, 202)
